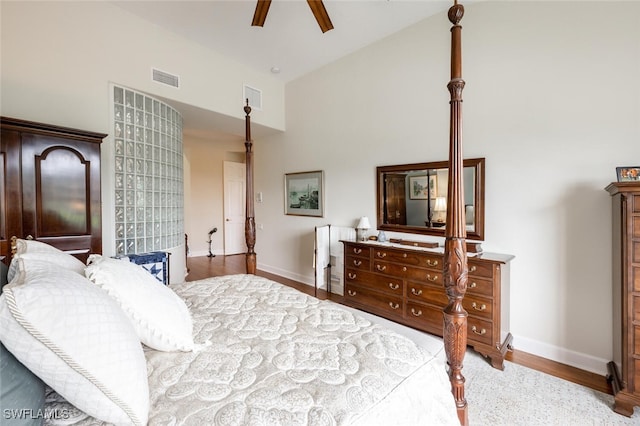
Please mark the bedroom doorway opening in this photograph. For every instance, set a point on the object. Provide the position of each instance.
(234, 207)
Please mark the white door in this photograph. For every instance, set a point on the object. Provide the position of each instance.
(234, 207)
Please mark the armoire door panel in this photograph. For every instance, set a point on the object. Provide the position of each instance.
(62, 198)
(57, 200)
(51, 186)
(11, 194)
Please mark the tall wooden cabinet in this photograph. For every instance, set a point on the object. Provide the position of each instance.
(624, 370)
(50, 186)
(405, 284)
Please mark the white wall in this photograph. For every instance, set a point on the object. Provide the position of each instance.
(552, 101)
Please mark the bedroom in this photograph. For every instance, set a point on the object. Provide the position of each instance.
(551, 102)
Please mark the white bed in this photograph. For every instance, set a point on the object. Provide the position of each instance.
(267, 354)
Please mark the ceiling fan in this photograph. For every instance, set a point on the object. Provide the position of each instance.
(317, 8)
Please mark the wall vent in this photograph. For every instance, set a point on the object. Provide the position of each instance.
(166, 78)
(254, 96)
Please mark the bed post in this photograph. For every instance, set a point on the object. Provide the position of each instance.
(455, 251)
(250, 223)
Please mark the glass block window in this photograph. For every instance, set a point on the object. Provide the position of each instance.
(149, 210)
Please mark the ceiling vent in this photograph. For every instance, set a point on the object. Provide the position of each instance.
(254, 96)
(166, 78)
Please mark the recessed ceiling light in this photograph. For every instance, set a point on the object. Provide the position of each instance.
(275, 70)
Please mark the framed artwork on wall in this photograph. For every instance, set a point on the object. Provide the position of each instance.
(419, 185)
(628, 174)
(304, 194)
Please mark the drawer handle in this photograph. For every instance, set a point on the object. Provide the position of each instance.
(351, 292)
(416, 313)
(473, 285)
(381, 267)
(357, 250)
(473, 268)
(475, 306)
(394, 305)
(404, 255)
(381, 254)
(351, 276)
(416, 292)
(479, 333)
(432, 278)
(432, 262)
(394, 286)
(404, 269)
(357, 262)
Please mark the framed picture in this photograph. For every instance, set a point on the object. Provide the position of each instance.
(304, 194)
(628, 174)
(419, 185)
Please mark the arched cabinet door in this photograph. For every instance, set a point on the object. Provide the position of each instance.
(56, 186)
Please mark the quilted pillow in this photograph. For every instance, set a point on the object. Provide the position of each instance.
(161, 318)
(33, 246)
(58, 258)
(76, 339)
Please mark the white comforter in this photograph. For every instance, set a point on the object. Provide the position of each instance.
(270, 355)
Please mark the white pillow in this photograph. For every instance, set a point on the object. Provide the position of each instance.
(33, 246)
(161, 318)
(58, 258)
(77, 340)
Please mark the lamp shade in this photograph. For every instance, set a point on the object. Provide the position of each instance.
(364, 223)
(441, 204)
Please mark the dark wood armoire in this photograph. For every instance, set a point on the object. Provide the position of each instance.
(50, 186)
(624, 370)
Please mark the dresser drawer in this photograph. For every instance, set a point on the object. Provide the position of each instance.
(431, 318)
(425, 317)
(480, 269)
(408, 272)
(427, 294)
(377, 282)
(357, 262)
(408, 258)
(380, 301)
(480, 331)
(480, 286)
(478, 306)
(354, 250)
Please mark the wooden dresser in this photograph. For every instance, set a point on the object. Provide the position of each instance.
(624, 370)
(404, 284)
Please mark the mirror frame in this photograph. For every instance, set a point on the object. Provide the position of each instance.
(477, 163)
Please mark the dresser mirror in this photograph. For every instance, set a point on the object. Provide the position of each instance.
(412, 198)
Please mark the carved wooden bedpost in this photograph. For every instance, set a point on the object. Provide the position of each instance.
(250, 222)
(455, 250)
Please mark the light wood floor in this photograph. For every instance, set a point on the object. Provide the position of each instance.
(204, 267)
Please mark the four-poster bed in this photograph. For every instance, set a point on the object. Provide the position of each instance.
(455, 266)
(331, 363)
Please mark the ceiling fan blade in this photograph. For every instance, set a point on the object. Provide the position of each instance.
(262, 7)
(321, 15)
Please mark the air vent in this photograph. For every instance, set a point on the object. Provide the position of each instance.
(254, 96)
(166, 78)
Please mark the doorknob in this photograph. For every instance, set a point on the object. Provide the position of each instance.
(228, 220)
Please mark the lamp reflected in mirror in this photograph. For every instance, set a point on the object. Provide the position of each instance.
(440, 211)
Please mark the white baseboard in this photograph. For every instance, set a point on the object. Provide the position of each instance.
(205, 253)
(562, 355)
(286, 274)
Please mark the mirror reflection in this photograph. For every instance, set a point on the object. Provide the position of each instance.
(413, 197)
